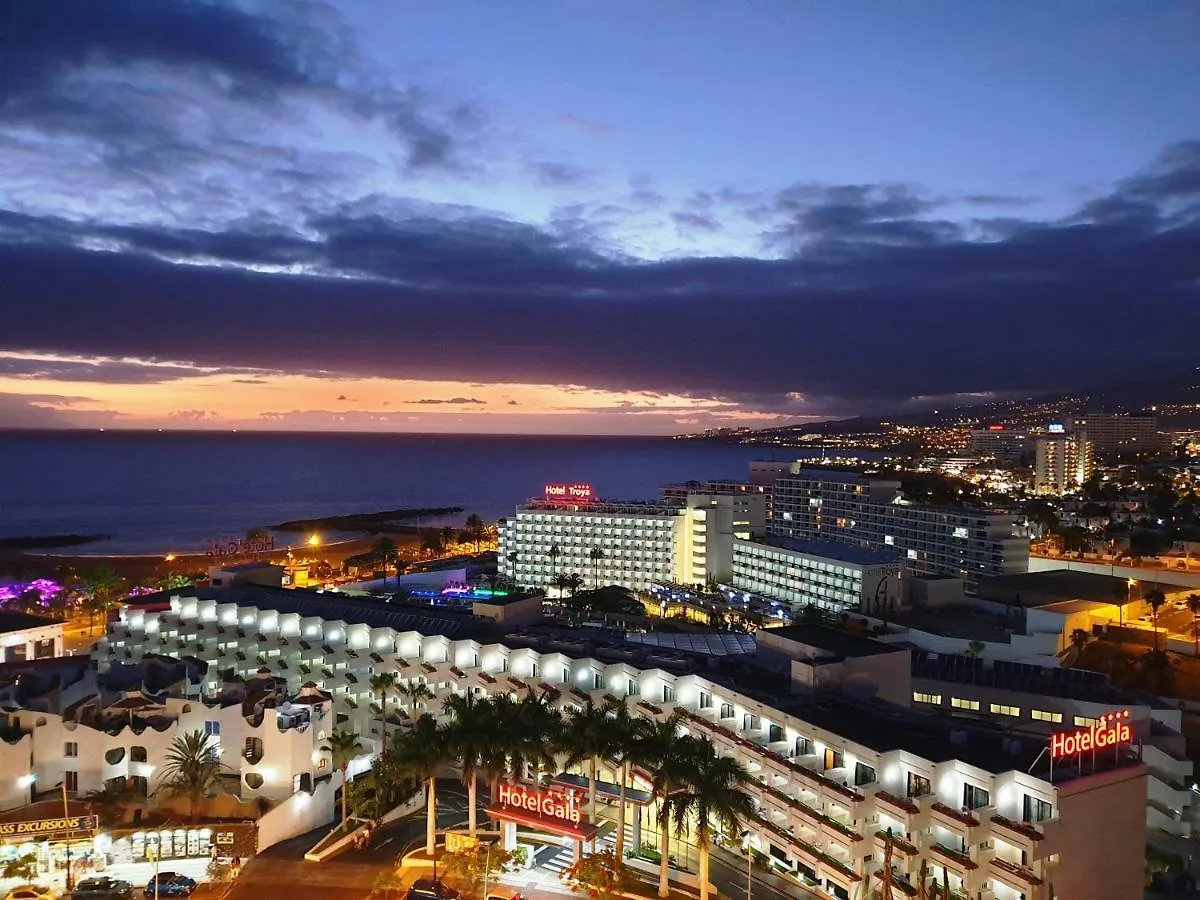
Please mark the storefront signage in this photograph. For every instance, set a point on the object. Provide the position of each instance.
(44, 827)
(1112, 729)
(459, 843)
(560, 805)
(219, 548)
(569, 492)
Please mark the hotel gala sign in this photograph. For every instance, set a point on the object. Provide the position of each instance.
(581, 492)
(1110, 731)
(551, 806)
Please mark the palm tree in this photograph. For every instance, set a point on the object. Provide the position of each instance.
(111, 803)
(192, 769)
(512, 558)
(383, 683)
(342, 747)
(554, 553)
(102, 587)
(1120, 593)
(626, 731)
(574, 582)
(562, 582)
(1155, 598)
(526, 732)
(669, 755)
(475, 529)
(415, 691)
(1079, 640)
(596, 555)
(420, 752)
(588, 735)
(1193, 605)
(471, 737)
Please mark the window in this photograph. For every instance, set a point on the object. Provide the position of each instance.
(975, 797)
(212, 729)
(774, 734)
(668, 694)
(1035, 810)
(922, 697)
(833, 759)
(137, 754)
(1085, 722)
(961, 703)
(70, 748)
(1042, 715)
(705, 700)
(863, 774)
(726, 710)
(71, 782)
(804, 747)
(999, 709)
(918, 786)
(750, 722)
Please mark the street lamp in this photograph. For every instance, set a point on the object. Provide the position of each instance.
(314, 540)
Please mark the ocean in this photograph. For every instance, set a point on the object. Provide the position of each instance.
(175, 491)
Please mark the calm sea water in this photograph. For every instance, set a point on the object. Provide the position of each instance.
(173, 491)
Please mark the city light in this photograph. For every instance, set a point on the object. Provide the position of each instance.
(314, 540)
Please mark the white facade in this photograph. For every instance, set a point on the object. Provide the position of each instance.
(29, 637)
(1004, 444)
(825, 800)
(639, 544)
(835, 577)
(1118, 432)
(870, 513)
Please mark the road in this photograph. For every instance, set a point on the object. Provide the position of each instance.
(727, 872)
(282, 872)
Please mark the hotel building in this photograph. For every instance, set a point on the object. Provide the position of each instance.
(1109, 432)
(842, 781)
(1005, 444)
(835, 577)
(683, 540)
(1062, 463)
(871, 513)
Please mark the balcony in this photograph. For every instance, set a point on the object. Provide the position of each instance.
(957, 860)
(1024, 835)
(899, 844)
(1016, 876)
(899, 882)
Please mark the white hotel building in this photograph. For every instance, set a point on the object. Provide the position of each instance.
(683, 539)
(837, 779)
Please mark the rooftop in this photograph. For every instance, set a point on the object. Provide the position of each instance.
(845, 553)
(840, 643)
(19, 621)
(1060, 584)
(959, 620)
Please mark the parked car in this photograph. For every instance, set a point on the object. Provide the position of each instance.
(170, 884)
(428, 889)
(103, 888)
(31, 892)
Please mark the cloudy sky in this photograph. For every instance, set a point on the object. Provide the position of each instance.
(590, 216)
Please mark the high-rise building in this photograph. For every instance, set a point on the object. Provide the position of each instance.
(1120, 432)
(1062, 463)
(871, 513)
(1003, 443)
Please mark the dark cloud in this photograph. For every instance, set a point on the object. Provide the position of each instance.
(870, 302)
(997, 200)
(453, 401)
(560, 174)
(104, 371)
(690, 223)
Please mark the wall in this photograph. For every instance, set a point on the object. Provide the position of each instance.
(299, 814)
(1096, 813)
(1163, 576)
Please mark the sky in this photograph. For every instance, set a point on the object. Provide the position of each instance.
(588, 216)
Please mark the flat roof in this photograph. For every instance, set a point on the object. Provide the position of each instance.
(834, 550)
(840, 643)
(958, 620)
(19, 621)
(1068, 584)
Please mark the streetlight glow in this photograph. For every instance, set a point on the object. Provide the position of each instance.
(314, 540)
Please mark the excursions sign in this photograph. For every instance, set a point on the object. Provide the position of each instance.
(1112, 729)
(46, 827)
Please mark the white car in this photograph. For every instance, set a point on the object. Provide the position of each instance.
(32, 892)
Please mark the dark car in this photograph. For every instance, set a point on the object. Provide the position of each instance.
(103, 888)
(428, 889)
(170, 884)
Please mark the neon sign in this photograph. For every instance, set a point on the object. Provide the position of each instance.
(1110, 730)
(995, 428)
(558, 805)
(569, 492)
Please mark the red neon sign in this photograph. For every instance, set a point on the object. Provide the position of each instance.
(995, 428)
(569, 492)
(559, 805)
(1112, 729)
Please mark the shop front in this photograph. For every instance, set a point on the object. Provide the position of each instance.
(54, 844)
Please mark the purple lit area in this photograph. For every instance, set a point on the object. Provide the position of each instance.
(45, 588)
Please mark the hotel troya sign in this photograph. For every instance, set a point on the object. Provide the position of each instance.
(1111, 729)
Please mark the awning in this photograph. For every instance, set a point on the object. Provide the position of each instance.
(581, 832)
(605, 789)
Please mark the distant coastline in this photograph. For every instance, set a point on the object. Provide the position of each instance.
(49, 541)
(371, 523)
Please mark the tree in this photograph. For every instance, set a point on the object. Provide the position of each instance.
(975, 649)
(562, 582)
(512, 558)
(596, 556)
(625, 752)
(192, 769)
(475, 865)
(574, 582)
(257, 534)
(415, 692)
(1120, 593)
(527, 731)
(1079, 640)
(471, 737)
(382, 684)
(432, 542)
(343, 747)
(103, 587)
(111, 803)
(554, 553)
(661, 743)
(1155, 598)
(602, 876)
(475, 530)
(1193, 605)
(385, 549)
(588, 736)
(420, 752)
(712, 789)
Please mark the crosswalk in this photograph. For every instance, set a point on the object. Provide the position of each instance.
(554, 860)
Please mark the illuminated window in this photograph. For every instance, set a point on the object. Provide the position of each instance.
(960, 703)
(921, 697)
(1085, 722)
(889, 540)
(999, 709)
(1043, 716)
(912, 554)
